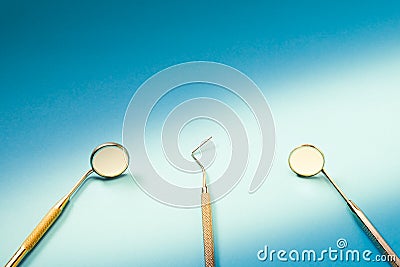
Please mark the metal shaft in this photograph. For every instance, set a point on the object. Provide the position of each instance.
(368, 227)
(44, 225)
(208, 238)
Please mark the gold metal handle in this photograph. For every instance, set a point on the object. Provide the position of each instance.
(374, 235)
(44, 225)
(208, 238)
(47, 221)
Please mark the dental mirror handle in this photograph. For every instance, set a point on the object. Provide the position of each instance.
(373, 233)
(44, 225)
(368, 227)
(31, 241)
(208, 238)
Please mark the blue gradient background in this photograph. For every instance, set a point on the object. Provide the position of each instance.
(329, 70)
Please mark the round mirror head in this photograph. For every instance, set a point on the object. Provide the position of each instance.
(306, 160)
(109, 160)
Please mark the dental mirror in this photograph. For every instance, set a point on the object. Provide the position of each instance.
(108, 160)
(308, 160)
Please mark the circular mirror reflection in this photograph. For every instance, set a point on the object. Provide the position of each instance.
(109, 160)
(306, 160)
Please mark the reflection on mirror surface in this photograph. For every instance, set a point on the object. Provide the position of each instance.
(109, 160)
(306, 160)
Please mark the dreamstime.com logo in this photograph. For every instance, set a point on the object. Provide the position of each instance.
(152, 91)
(334, 254)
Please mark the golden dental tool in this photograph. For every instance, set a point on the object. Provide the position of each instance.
(208, 238)
(108, 160)
(307, 161)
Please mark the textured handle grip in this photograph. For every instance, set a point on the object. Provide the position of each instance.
(208, 238)
(42, 228)
(374, 235)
